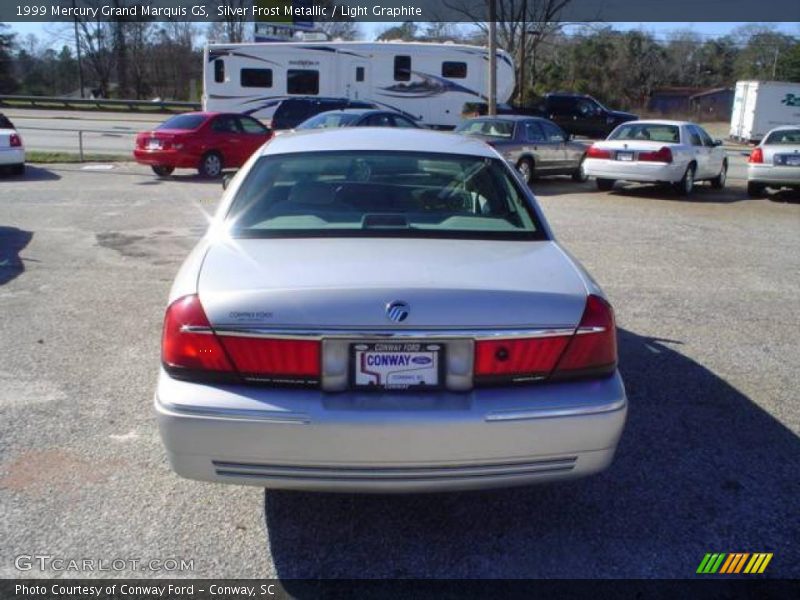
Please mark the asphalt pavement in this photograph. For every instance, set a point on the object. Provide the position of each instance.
(705, 292)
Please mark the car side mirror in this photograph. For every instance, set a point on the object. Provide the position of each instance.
(718, 142)
(226, 180)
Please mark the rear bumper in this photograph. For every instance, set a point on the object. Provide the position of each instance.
(12, 156)
(167, 158)
(645, 172)
(311, 440)
(772, 175)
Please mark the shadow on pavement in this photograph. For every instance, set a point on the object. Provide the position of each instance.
(700, 468)
(12, 242)
(32, 173)
(702, 193)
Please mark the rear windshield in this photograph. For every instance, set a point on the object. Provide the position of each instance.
(5, 123)
(500, 129)
(784, 136)
(644, 132)
(328, 120)
(381, 194)
(183, 122)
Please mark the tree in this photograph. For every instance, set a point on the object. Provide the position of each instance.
(8, 82)
(406, 32)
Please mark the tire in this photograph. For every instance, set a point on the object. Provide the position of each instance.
(756, 189)
(605, 185)
(162, 170)
(719, 181)
(685, 186)
(211, 165)
(18, 169)
(526, 169)
(580, 176)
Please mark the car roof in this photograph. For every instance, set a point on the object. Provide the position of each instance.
(507, 118)
(377, 139)
(354, 111)
(784, 128)
(659, 122)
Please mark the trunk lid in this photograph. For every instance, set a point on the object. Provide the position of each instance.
(5, 138)
(347, 283)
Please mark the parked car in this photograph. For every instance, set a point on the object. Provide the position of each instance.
(208, 142)
(293, 111)
(12, 151)
(357, 117)
(775, 162)
(385, 310)
(579, 114)
(535, 146)
(667, 152)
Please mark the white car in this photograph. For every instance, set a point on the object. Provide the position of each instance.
(678, 153)
(775, 162)
(12, 152)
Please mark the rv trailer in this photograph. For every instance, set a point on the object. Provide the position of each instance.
(429, 82)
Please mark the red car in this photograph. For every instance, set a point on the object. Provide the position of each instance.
(206, 141)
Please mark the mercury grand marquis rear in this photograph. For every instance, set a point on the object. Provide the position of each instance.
(385, 310)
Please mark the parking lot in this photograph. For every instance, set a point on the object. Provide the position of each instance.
(706, 293)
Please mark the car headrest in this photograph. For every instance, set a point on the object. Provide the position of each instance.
(311, 192)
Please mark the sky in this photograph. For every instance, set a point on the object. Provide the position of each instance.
(46, 32)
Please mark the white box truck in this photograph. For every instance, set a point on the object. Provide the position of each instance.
(758, 106)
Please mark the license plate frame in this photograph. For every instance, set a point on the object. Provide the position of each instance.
(624, 156)
(434, 351)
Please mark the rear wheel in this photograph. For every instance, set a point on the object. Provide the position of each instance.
(686, 185)
(605, 185)
(162, 170)
(211, 165)
(18, 169)
(719, 181)
(526, 169)
(755, 189)
(580, 175)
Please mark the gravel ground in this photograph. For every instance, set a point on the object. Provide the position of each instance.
(706, 298)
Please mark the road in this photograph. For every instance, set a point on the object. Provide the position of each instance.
(105, 132)
(706, 298)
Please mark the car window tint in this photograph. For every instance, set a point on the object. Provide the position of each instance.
(784, 136)
(379, 120)
(403, 122)
(326, 120)
(359, 193)
(5, 123)
(183, 122)
(655, 132)
(533, 132)
(489, 127)
(694, 136)
(250, 125)
(552, 133)
(226, 124)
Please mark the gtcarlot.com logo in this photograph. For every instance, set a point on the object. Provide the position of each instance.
(724, 563)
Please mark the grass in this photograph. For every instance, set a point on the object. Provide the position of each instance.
(33, 156)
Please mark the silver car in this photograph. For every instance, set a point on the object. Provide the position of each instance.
(535, 146)
(381, 310)
(775, 162)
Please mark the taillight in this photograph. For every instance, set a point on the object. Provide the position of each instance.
(590, 351)
(593, 348)
(595, 152)
(14, 140)
(189, 348)
(268, 358)
(663, 155)
(756, 156)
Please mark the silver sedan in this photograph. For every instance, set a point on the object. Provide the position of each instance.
(382, 310)
(775, 162)
(535, 146)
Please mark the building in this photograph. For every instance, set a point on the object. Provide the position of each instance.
(706, 104)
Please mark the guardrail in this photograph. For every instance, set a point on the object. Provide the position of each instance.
(162, 106)
(80, 133)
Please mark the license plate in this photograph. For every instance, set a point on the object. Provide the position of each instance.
(625, 156)
(154, 145)
(792, 161)
(396, 365)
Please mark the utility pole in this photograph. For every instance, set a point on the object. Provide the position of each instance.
(78, 50)
(522, 51)
(492, 109)
(775, 62)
